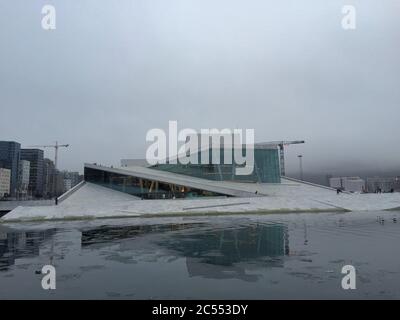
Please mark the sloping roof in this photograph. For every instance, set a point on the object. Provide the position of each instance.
(178, 179)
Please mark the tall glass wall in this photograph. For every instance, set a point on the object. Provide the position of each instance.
(266, 168)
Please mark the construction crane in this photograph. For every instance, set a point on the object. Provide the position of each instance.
(55, 146)
(281, 145)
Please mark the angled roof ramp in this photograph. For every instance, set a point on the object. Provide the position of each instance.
(148, 183)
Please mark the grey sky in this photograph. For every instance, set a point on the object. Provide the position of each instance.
(115, 69)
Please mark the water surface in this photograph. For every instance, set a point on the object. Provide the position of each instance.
(291, 256)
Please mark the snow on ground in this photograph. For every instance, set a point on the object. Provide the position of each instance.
(92, 201)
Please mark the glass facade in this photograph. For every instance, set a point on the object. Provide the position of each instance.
(35, 157)
(9, 159)
(143, 188)
(266, 168)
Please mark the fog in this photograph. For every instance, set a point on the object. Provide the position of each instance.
(112, 70)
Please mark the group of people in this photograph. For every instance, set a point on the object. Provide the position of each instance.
(379, 190)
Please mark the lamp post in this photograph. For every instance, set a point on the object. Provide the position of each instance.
(300, 156)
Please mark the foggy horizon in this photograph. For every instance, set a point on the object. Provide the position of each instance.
(112, 71)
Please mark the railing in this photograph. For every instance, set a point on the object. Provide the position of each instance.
(314, 184)
(70, 191)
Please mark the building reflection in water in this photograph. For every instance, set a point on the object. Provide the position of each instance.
(210, 252)
(229, 253)
(103, 235)
(16, 244)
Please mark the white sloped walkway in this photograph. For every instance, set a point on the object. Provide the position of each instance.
(92, 201)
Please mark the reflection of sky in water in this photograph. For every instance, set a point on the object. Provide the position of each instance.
(271, 256)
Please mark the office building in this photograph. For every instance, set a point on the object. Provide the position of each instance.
(23, 178)
(35, 157)
(383, 184)
(53, 180)
(71, 179)
(351, 184)
(9, 159)
(5, 179)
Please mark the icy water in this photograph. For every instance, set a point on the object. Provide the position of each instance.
(222, 257)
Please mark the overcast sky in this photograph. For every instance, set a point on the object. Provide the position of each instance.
(112, 70)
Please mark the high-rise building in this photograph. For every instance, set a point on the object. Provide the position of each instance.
(23, 178)
(9, 159)
(71, 179)
(49, 172)
(53, 180)
(35, 157)
(67, 184)
(59, 184)
(5, 178)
